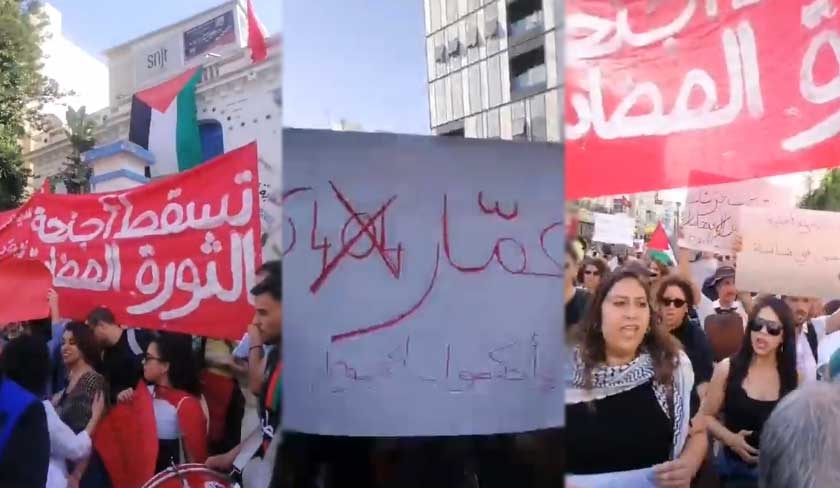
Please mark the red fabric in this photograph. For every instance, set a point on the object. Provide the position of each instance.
(178, 253)
(160, 97)
(126, 440)
(256, 37)
(218, 391)
(191, 420)
(28, 281)
(659, 239)
(616, 50)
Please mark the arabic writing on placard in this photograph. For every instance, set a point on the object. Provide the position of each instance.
(710, 220)
(113, 245)
(696, 69)
(442, 369)
(790, 252)
(614, 229)
(364, 235)
(422, 276)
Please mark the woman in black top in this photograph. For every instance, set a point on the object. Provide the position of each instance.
(627, 397)
(746, 387)
(674, 298)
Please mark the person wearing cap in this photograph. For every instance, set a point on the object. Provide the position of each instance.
(722, 284)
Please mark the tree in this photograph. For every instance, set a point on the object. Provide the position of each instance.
(23, 93)
(826, 196)
(75, 174)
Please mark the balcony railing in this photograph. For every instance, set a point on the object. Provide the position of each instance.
(526, 24)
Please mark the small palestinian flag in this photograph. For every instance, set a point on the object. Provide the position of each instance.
(164, 121)
(659, 247)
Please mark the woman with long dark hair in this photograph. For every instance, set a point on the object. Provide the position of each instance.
(746, 387)
(591, 272)
(171, 370)
(627, 397)
(674, 300)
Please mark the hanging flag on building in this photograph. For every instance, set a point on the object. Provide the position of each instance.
(164, 121)
(256, 36)
(659, 246)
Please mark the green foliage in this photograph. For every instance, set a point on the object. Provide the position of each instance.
(75, 174)
(826, 196)
(23, 93)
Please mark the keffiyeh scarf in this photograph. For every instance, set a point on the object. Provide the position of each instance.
(612, 380)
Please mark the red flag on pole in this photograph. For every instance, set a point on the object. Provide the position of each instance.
(256, 36)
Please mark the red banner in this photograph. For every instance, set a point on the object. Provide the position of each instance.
(28, 281)
(177, 254)
(744, 89)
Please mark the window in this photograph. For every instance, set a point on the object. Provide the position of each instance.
(212, 139)
(494, 81)
(527, 70)
(537, 125)
(518, 125)
(524, 16)
(493, 126)
(434, 12)
(451, 11)
(472, 35)
(454, 133)
(456, 89)
(474, 79)
(453, 47)
(440, 54)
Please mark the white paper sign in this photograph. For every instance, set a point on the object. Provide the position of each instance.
(423, 284)
(710, 220)
(790, 252)
(614, 229)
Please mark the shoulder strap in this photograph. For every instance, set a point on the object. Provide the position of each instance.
(811, 335)
(131, 335)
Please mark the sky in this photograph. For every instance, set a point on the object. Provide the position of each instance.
(360, 60)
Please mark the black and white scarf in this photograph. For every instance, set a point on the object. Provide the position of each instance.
(612, 380)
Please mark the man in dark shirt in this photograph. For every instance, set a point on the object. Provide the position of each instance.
(24, 438)
(122, 353)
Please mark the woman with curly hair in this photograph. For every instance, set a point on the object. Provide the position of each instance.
(591, 272)
(628, 394)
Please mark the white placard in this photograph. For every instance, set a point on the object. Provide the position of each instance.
(710, 220)
(790, 252)
(614, 229)
(422, 278)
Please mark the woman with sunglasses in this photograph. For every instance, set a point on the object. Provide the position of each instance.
(628, 395)
(746, 387)
(592, 271)
(674, 299)
(171, 370)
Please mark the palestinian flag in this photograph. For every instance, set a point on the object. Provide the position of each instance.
(164, 121)
(659, 246)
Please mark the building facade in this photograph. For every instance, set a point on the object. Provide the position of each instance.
(238, 102)
(495, 68)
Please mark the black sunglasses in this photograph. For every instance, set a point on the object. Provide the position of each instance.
(772, 328)
(676, 302)
(590, 272)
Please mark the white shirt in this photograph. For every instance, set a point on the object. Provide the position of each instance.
(65, 445)
(806, 365)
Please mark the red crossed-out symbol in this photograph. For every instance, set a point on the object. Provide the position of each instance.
(367, 228)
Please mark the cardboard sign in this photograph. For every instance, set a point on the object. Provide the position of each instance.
(614, 229)
(710, 221)
(421, 286)
(789, 252)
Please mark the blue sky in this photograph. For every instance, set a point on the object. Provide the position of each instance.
(361, 60)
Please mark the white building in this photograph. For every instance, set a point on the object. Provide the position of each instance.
(238, 102)
(72, 68)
